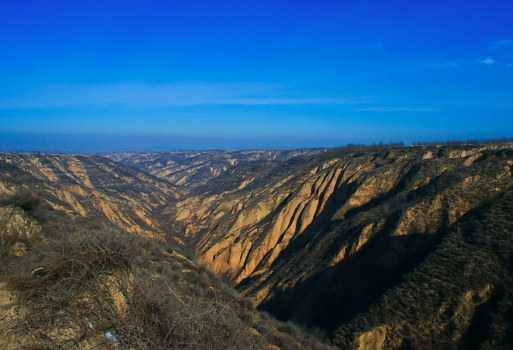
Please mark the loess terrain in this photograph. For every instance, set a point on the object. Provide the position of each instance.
(190, 169)
(68, 286)
(333, 241)
(92, 187)
(392, 248)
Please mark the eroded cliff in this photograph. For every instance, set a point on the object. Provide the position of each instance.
(320, 241)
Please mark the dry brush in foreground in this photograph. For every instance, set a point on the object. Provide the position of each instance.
(65, 286)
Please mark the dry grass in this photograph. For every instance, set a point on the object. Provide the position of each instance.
(76, 287)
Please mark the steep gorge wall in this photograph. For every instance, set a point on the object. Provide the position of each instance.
(340, 224)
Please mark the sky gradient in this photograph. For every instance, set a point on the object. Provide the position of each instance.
(166, 75)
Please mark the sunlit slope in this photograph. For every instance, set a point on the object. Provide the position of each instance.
(322, 240)
(89, 186)
(67, 285)
(189, 169)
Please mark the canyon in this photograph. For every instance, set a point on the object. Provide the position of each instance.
(373, 248)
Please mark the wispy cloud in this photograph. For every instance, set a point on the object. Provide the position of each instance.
(487, 61)
(292, 101)
(171, 94)
(506, 42)
(441, 64)
(398, 109)
(509, 65)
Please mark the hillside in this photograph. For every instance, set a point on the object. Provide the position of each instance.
(64, 285)
(460, 296)
(189, 169)
(391, 248)
(92, 187)
(324, 241)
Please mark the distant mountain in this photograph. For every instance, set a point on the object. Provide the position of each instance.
(189, 169)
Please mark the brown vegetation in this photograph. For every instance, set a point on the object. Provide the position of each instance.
(460, 297)
(26, 199)
(79, 288)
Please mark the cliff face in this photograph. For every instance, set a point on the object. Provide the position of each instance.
(91, 187)
(194, 168)
(321, 241)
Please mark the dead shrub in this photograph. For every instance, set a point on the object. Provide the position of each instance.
(86, 254)
(91, 282)
(33, 202)
(248, 303)
(289, 328)
(20, 283)
(25, 199)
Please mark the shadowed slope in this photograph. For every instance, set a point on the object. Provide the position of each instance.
(461, 296)
(326, 238)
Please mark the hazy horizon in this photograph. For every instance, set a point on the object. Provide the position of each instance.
(252, 75)
(95, 144)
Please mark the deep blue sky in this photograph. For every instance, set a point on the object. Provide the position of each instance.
(252, 74)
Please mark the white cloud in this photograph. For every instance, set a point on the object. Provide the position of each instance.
(380, 43)
(488, 60)
(398, 109)
(171, 94)
(509, 65)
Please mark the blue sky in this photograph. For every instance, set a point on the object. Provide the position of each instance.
(252, 74)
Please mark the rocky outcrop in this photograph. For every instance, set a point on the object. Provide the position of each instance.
(16, 228)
